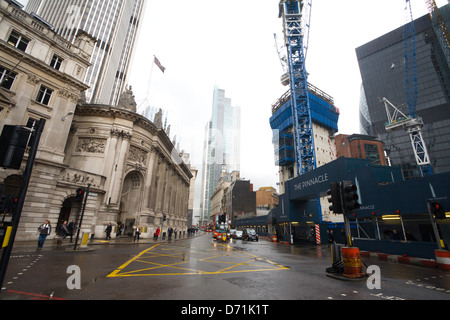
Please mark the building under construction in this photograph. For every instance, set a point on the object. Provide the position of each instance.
(324, 117)
(305, 119)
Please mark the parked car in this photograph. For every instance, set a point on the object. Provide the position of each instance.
(249, 234)
(237, 234)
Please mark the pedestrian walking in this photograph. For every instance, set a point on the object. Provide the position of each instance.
(62, 234)
(44, 230)
(71, 228)
(330, 237)
(108, 231)
(156, 235)
(137, 233)
(170, 231)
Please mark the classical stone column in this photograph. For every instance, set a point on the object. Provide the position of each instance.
(173, 193)
(154, 183)
(110, 158)
(161, 186)
(169, 190)
(149, 177)
(120, 165)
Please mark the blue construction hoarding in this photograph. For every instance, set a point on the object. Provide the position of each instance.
(381, 189)
(383, 193)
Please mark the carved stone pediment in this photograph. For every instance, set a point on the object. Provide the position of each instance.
(91, 145)
(137, 155)
(80, 178)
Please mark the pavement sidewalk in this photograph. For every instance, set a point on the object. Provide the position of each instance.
(51, 243)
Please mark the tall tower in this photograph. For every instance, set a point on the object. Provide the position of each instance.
(114, 23)
(221, 147)
(382, 67)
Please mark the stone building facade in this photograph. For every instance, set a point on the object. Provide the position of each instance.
(137, 176)
(134, 172)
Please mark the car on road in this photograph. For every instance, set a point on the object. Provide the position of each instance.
(237, 234)
(250, 234)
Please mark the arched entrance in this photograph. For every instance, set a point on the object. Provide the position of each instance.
(12, 185)
(130, 204)
(69, 211)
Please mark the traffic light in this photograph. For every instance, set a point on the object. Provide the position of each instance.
(335, 197)
(13, 142)
(8, 204)
(4, 203)
(164, 217)
(350, 197)
(79, 195)
(437, 210)
(14, 203)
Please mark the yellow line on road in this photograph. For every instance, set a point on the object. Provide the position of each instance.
(231, 268)
(115, 272)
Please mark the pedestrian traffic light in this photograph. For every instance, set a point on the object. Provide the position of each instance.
(437, 210)
(350, 197)
(164, 217)
(335, 197)
(79, 195)
(13, 142)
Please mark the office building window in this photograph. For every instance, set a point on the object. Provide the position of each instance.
(56, 62)
(44, 95)
(7, 78)
(18, 41)
(372, 153)
(31, 123)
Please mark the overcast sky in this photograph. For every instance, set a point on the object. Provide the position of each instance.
(230, 43)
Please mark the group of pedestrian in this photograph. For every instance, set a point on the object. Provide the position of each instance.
(63, 231)
(192, 231)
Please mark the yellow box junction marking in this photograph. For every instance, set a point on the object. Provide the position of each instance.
(171, 260)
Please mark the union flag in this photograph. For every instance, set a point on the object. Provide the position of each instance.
(160, 66)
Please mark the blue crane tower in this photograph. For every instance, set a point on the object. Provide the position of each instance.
(291, 13)
(412, 123)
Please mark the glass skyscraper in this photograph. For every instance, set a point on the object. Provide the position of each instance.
(221, 148)
(381, 64)
(114, 23)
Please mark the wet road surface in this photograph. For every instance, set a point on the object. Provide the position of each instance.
(201, 269)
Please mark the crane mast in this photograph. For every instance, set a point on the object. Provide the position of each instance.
(291, 13)
(411, 123)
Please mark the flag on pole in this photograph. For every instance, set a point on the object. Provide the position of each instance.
(156, 61)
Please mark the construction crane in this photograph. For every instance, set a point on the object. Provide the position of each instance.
(440, 27)
(306, 23)
(396, 118)
(292, 12)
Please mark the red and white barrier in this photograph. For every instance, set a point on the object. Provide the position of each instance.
(318, 234)
(443, 259)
